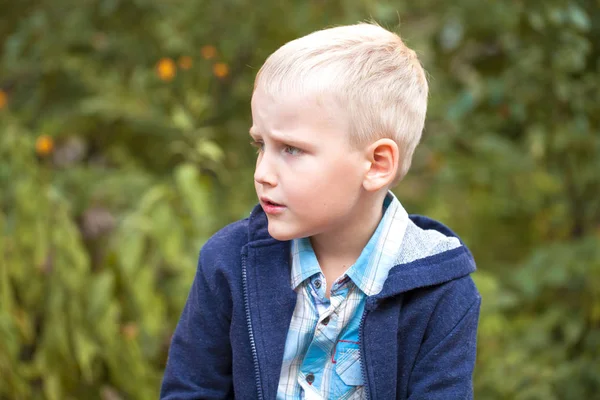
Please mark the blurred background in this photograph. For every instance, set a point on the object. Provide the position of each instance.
(124, 146)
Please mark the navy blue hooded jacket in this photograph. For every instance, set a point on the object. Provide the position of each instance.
(418, 335)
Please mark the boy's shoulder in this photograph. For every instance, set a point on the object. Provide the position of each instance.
(233, 234)
(430, 258)
(220, 256)
(228, 240)
(227, 243)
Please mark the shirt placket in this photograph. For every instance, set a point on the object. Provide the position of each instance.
(326, 334)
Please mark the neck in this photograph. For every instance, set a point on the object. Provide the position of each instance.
(339, 248)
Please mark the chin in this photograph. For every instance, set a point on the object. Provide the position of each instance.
(282, 234)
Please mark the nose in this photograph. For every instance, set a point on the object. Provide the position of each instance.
(264, 173)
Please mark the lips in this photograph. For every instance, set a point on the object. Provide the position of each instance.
(271, 207)
(268, 201)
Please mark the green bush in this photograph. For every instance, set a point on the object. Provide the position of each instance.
(124, 147)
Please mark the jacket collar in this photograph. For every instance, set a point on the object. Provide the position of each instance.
(404, 276)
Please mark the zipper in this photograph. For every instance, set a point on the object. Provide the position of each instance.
(362, 353)
(250, 330)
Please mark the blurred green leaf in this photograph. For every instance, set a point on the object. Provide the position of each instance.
(509, 160)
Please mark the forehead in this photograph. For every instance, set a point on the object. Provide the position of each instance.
(291, 112)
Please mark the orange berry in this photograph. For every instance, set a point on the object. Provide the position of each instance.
(436, 161)
(185, 62)
(44, 145)
(130, 330)
(221, 70)
(3, 99)
(504, 111)
(208, 52)
(166, 69)
(100, 41)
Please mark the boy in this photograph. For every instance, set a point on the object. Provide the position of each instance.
(330, 290)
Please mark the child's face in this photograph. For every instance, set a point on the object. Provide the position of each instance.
(308, 176)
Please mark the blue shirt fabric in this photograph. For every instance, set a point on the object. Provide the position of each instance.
(322, 350)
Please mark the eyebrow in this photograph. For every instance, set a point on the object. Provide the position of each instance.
(282, 139)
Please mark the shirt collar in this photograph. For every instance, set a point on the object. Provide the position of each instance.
(372, 266)
(304, 261)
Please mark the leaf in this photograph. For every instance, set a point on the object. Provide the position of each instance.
(131, 250)
(210, 150)
(451, 34)
(52, 387)
(463, 105)
(182, 119)
(85, 351)
(193, 193)
(579, 17)
(100, 294)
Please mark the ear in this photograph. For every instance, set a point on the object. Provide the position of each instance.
(383, 159)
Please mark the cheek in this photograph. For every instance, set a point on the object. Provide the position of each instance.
(322, 181)
(330, 193)
(343, 175)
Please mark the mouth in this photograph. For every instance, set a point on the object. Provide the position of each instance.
(268, 202)
(271, 207)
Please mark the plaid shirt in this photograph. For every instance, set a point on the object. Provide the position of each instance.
(322, 350)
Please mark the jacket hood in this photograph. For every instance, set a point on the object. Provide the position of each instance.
(429, 254)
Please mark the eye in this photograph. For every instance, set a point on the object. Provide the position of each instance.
(291, 150)
(259, 145)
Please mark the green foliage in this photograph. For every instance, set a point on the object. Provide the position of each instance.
(124, 147)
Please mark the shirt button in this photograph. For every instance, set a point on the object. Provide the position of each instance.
(325, 321)
(317, 283)
(310, 378)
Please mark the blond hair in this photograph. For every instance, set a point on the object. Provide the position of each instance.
(371, 74)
